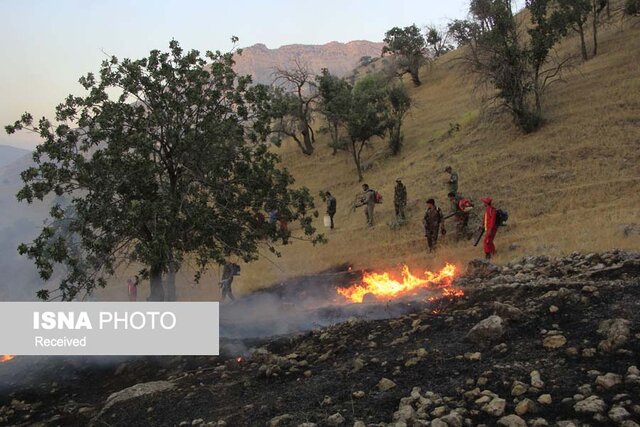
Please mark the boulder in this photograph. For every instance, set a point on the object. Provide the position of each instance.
(616, 333)
(590, 405)
(512, 421)
(490, 329)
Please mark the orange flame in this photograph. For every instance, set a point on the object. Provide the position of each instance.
(6, 358)
(384, 286)
(239, 360)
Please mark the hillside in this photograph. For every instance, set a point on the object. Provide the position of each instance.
(573, 185)
(9, 154)
(340, 58)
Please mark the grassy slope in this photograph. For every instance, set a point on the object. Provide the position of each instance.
(567, 187)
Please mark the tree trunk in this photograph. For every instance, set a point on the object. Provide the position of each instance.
(156, 289)
(356, 160)
(595, 27)
(307, 144)
(415, 78)
(334, 137)
(171, 283)
(583, 44)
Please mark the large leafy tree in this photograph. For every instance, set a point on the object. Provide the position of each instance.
(576, 14)
(368, 116)
(164, 159)
(399, 102)
(409, 48)
(334, 105)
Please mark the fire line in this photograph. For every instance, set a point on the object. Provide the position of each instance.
(383, 285)
(6, 358)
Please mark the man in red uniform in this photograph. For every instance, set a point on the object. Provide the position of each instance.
(490, 227)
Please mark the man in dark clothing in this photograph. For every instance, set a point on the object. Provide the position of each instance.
(331, 206)
(368, 199)
(431, 222)
(460, 208)
(452, 182)
(228, 272)
(400, 200)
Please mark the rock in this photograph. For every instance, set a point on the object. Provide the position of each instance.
(421, 353)
(590, 405)
(616, 333)
(439, 411)
(518, 388)
(487, 330)
(197, 422)
(545, 399)
(438, 423)
(507, 311)
(618, 414)
(134, 391)
(539, 422)
(608, 380)
(358, 394)
(553, 309)
(554, 341)
(512, 421)
(525, 406)
(357, 364)
(453, 419)
(495, 407)
(385, 384)
(336, 419)
(359, 424)
(315, 425)
(536, 380)
(405, 413)
(629, 423)
(480, 268)
(474, 357)
(280, 420)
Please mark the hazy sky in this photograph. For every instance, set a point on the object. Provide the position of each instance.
(46, 45)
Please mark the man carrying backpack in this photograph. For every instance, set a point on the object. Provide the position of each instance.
(432, 220)
(400, 200)
(460, 210)
(490, 224)
(331, 206)
(368, 199)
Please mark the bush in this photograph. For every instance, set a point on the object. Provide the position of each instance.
(632, 7)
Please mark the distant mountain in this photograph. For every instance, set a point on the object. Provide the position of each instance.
(339, 58)
(9, 154)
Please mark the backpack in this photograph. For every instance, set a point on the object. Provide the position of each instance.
(501, 217)
(377, 197)
(465, 205)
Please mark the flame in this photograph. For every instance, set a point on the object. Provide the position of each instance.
(239, 360)
(382, 285)
(6, 358)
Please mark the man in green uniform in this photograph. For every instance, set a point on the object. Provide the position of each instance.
(400, 200)
(431, 222)
(452, 182)
(460, 210)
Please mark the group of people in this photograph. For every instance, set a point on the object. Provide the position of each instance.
(433, 220)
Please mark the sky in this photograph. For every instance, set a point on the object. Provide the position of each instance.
(46, 45)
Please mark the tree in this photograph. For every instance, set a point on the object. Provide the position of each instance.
(438, 40)
(519, 67)
(175, 167)
(400, 103)
(298, 95)
(335, 102)
(367, 116)
(576, 13)
(409, 47)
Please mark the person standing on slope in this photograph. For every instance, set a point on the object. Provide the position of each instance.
(452, 182)
(331, 206)
(490, 227)
(400, 200)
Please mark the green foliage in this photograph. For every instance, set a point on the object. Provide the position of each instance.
(175, 166)
(632, 7)
(463, 32)
(368, 115)
(400, 103)
(438, 40)
(409, 47)
(335, 103)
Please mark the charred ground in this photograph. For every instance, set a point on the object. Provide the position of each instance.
(573, 319)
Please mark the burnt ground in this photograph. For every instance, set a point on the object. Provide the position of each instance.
(313, 376)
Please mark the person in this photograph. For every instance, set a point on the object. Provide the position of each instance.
(490, 227)
(452, 181)
(132, 288)
(368, 199)
(400, 200)
(331, 206)
(432, 220)
(229, 270)
(460, 208)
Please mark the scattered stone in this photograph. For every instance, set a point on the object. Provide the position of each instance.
(536, 380)
(507, 311)
(608, 380)
(553, 309)
(545, 399)
(590, 405)
(512, 421)
(405, 413)
(554, 341)
(385, 384)
(135, 391)
(616, 333)
(335, 419)
(495, 407)
(473, 357)
(453, 419)
(524, 407)
(618, 414)
(358, 394)
(518, 388)
(487, 330)
(280, 420)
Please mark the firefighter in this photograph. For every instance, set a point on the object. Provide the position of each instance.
(460, 210)
(432, 221)
(229, 270)
(452, 181)
(132, 288)
(368, 199)
(331, 206)
(490, 227)
(400, 200)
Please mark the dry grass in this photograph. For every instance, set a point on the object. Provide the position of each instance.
(567, 187)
